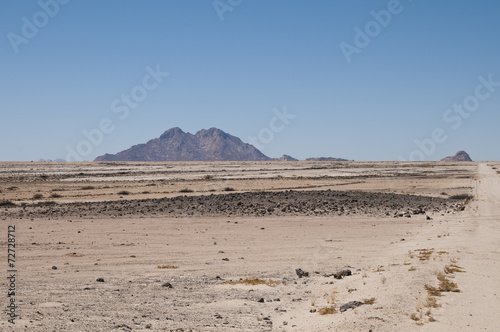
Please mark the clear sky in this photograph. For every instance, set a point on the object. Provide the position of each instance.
(364, 80)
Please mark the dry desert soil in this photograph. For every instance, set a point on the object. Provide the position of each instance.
(251, 246)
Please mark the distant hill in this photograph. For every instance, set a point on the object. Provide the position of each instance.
(459, 156)
(285, 157)
(326, 159)
(175, 145)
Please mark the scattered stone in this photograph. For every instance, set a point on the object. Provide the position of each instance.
(226, 259)
(301, 273)
(342, 274)
(100, 280)
(350, 305)
(54, 267)
(167, 285)
(261, 300)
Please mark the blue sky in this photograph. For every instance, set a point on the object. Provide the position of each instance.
(70, 73)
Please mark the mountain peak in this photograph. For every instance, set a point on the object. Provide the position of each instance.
(176, 145)
(459, 156)
(172, 132)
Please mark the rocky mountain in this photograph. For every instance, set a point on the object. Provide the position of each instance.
(326, 159)
(459, 156)
(175, 145)
(285, 157)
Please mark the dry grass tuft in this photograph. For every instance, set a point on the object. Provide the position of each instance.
(369, 301)
(327, 310)
(415, 317)
(452, 268)
(424, 254)
(253, 282)
(433, 291)
(431, 302)
(172, 267)
(431, 319)
(383, 280)
(379, 269)
(87, 188)
(413, 268)
(445, 285)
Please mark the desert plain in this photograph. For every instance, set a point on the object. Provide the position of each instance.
(252, 246)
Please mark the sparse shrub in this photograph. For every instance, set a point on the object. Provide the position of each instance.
(383, 280)
(6, 203)
(229, 189)
(425, 254)
(186, 190)
(208, 177)
(170, 267)
(445, 285)
(146, 192)
(54, 195)
(37, 196)
(413, 268)
(433, 291)
(327, 310)
(253, 282)
(444, 194)
(123, 192)
(369, 301)
(415, 317)
(87, 188)
(448, 269)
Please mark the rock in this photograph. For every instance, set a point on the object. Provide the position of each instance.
(226, 259)
(167, 285)
(54, 267)
(301, 273)
(261, 300)
(428, 218)
(100, 280)
(342, 274)
(350, 305)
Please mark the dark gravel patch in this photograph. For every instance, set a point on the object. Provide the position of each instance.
(282, 203)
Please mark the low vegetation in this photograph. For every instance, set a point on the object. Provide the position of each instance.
(37, 196)
(87, 188)
(170, 267)
(186, 190)
(369, 301)
(6, 203)
(327, 310)
(123, 192)
(253, 282)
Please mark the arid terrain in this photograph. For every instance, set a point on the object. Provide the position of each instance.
(252, 246)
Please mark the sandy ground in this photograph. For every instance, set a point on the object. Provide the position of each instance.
(170, 271)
